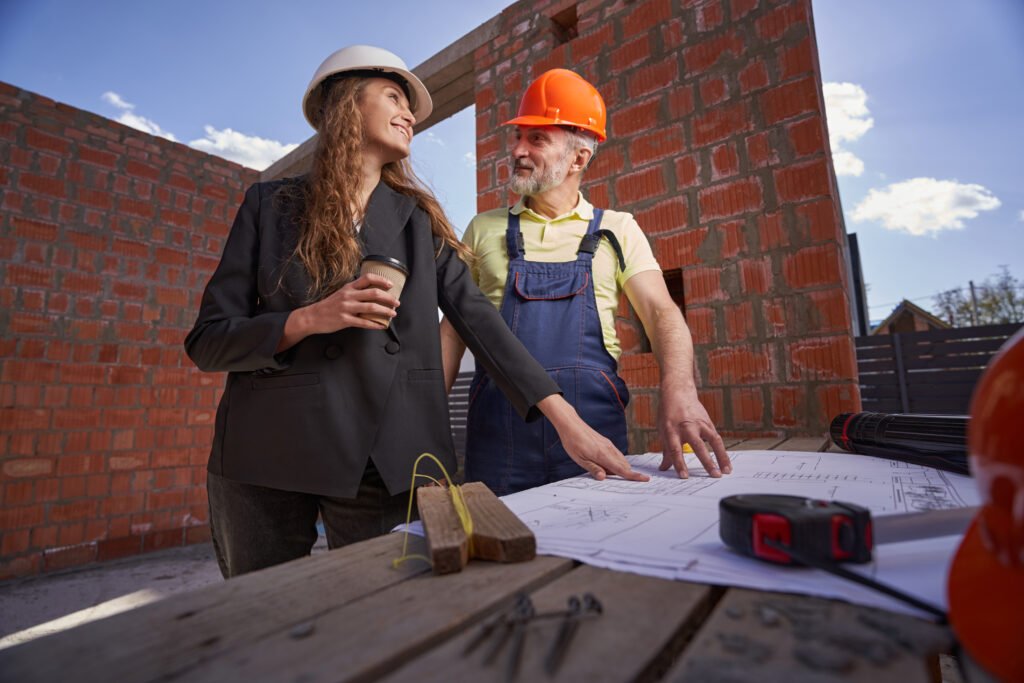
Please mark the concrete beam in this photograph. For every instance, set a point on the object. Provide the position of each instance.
(449, 77)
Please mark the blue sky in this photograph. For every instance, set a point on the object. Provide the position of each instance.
(925, 104)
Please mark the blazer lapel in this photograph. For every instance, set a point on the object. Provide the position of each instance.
(386, 215)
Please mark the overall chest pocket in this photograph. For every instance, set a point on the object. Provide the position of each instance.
(551, 285)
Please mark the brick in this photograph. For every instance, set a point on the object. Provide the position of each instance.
(73, 556)
(590, 45)
(21, 517)
(687, 171)
(113, 548)
(198, 534)
(664, 216)
(703, 285)
(747, 406)
(755, 276)
(823, 358)
(637, 118)
(37, 139)
(813, 266)
(730, 199)
(738, 365)
(646, 16)
(661, 143)
(706, 54)
(681, 250)
(721, 122)
(653, 78)
(609, 161)
(701, 321)
(15, 370)
(829, 311)
(806, 181)
(52, 187)
(713, 91)
(774, 25)
(807, 137)
(713, 401)
(630, 54)
(157, 540)
(835, 399)
(681, 101)
(23, 418)
(789, 100)
(818, 222)
(91, 155)
(739, 321)
(709, 15)
(72, 533)
(641, 185)
(34, 229)
(18, 493)
(725, 161)
(796, 60)
(732, 238)
(741, 8)
(789, 406)
(752, 77)
(28, 276)
(760, 152)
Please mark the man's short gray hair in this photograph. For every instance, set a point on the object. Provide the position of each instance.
(578, 138)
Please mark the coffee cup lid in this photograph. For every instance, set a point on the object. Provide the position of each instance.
(393, 262)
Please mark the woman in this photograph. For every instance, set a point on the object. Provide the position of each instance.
(324, 411)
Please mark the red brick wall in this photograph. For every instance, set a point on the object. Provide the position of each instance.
(107, 236)
(718, 145)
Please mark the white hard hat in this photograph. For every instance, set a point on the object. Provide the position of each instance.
(366, 58)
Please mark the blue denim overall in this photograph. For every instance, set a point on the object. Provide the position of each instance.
(552, 309)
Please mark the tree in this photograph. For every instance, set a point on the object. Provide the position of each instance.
(1000, 300)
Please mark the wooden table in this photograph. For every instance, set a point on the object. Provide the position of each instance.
(346, 615)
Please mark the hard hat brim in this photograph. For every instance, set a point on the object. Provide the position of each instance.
(531, 120)
(421, 103)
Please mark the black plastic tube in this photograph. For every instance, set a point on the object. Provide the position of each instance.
(931, 440)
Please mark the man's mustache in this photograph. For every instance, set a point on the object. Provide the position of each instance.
(522, 167)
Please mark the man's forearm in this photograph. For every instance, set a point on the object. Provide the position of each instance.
(673, 349)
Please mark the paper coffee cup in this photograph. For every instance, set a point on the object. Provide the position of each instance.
(387, 267)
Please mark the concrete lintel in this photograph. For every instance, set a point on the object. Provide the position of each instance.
(448, 75)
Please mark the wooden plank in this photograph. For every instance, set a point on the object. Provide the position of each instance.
(912, 363)
(635, 638)
(762, 444)
(873, 352)
(753, 636)
(811, 444)
(979, 332)
(447, 542)
(959, 347)
(498, 535)
(165, 639)
(369, 638)
(932, 376)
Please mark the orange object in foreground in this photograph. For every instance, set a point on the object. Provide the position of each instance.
(986, 580)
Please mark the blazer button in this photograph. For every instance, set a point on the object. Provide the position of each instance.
(392, 347)
(333, 351)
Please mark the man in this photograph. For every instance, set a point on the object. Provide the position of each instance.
(554, 265)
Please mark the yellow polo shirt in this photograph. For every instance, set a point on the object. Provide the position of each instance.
(554, 240)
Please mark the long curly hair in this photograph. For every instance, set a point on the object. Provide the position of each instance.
(328, 247)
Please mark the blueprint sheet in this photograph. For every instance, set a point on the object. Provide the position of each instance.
(668, 527)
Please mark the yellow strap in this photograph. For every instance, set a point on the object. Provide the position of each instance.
(457, 500)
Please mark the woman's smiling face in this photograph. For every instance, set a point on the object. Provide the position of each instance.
(387, 120)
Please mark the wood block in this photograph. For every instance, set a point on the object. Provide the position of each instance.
(447, 543)
(498, 535)
(763, 444)
(814, 444)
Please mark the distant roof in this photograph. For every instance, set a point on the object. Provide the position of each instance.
(907, 306)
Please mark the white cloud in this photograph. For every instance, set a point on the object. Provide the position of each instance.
(129, 118)
(247, 150)
(470, 159)
(847, 163)
(923, 206)
(846, 108)
(1020, 216)
(430, 137)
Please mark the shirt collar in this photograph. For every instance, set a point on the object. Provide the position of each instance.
(583, 211)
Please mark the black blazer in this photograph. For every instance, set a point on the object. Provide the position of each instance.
(307, 419)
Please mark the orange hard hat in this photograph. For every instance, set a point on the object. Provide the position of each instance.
(560, 97)
(988, 569)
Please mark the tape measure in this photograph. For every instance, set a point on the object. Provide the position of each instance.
(765, 525)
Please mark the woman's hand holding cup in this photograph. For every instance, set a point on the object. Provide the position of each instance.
(367, 295)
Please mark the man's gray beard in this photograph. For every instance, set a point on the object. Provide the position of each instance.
(532, 185)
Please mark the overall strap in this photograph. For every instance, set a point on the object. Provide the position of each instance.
(514, 238)
(592, 239)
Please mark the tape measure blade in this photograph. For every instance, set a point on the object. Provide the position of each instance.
(913, 526)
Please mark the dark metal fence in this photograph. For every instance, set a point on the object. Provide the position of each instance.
(926, 372)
